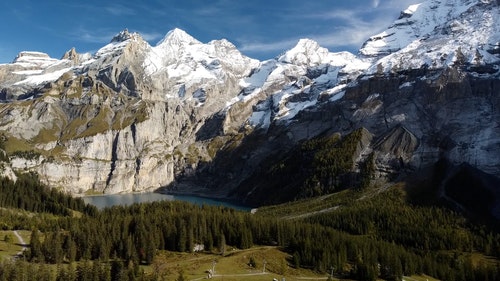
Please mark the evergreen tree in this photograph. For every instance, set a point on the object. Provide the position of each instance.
(35, 253)
(117, 271)
(8, 238)
(222, 244)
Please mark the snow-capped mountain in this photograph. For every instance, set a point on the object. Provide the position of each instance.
(296, 80)
(130, 104)
(30, 69)
(188, 63)
(134, 117)
(437, 34)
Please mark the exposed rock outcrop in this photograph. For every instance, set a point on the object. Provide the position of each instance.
(204, 118)
(111, 124)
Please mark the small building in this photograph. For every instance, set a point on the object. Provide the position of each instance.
(198, 248)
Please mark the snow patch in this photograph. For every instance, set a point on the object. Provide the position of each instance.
(44, 78)
(337, 96)
(406, 85)
(398, 118)
(28, 72)
(372, 97)
(260, 119)
(111, 48)
(293, 108)
(412, 9)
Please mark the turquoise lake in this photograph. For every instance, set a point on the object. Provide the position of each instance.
(108, 200)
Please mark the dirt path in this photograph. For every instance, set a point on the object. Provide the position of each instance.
(232, 275)
(313, 278)
(301, 216)
(21, 242)
(255, 274)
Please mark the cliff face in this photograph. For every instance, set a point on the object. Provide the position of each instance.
(203, 117)
(112, 123)
(413, 121)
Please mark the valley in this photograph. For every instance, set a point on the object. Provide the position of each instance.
(378, 165)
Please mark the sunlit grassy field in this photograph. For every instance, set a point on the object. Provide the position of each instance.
(11, 246)
(234, 265)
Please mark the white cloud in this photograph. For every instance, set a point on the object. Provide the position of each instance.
(402, 4)
(103, 36)
(276, 46)
(94, 36)
(119, 10)
(349, 29)
(151, 36)
(353, 31)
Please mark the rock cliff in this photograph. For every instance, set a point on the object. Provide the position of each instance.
(202, 117)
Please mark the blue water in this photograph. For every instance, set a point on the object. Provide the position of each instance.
(103, 201)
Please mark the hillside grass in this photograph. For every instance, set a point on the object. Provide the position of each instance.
(308, 206)
(13, 144)
(234, 265)
(9, 249)
(418, 278)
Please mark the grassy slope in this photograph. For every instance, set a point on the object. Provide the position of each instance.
(9, 249)
(232, 266)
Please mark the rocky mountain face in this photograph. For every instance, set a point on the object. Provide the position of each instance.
(124, 119)
(195, 117)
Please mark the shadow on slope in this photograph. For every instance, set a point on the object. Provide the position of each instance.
(462, 188)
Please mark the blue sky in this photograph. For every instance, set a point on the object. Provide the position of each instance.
(260, 29)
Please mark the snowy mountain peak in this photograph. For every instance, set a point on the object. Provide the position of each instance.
(118, 43)
(124, 35)
(437, 34)
(178, 37)
(30, 56)
(75, 57)
(34, 59)
(306, 52)
(30, 69)
(70, 55)
(417, 21)
(307, 44)
(409, 11)
(222, 43)
(183, 57)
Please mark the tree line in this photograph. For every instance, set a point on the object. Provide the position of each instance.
(364, 242)
(315, 167)
(28, 194)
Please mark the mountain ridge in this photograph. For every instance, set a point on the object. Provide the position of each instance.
(136, 117)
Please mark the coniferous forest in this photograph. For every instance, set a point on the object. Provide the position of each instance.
(384, 237)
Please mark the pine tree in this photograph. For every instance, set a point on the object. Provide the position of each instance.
(8, 238)
(35, 253)
(222, 244)
(117, 271)
(71, 250)
(63, 274)
(44, 273)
